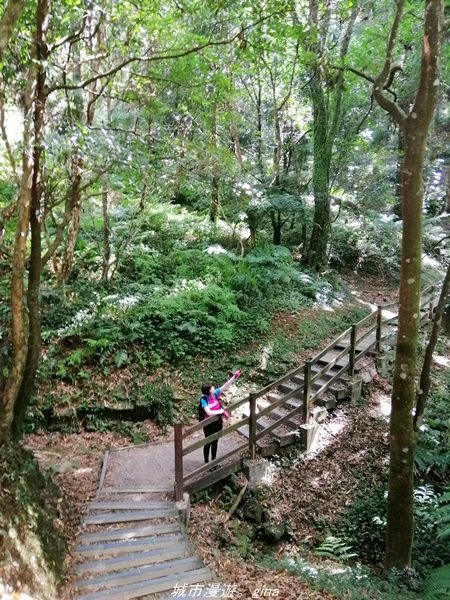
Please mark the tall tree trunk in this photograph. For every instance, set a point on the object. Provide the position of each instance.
(106, 255)
(77, 166)
(35, 265)
(277, 226)
(399, 532)
(259, 132)
(400, 523)
(317, 252)
(326, 120)
(75, 215)
(215, 200)
(278, 146)
(19, 317)
(215, 196)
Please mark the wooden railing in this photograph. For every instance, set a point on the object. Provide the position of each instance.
(312, 373)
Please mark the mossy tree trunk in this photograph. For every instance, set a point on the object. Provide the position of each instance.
(327, 114)
(36, 211)
(317, 248)
(415, 125)
(19, 313)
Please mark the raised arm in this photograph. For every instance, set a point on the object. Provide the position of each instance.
(227, 384)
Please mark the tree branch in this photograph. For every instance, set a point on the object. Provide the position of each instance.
(383, 76)
(379, 85)
(169, 56)
(425, 380)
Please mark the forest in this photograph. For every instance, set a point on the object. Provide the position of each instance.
(191, 189)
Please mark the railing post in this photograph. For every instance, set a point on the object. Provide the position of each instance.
(379, 323)
(351, 358)
(178, 438)
(306, 390)
(252, 426)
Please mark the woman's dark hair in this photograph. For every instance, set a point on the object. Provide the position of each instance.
(205, 388)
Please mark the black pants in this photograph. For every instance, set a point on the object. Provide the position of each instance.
(209, 430)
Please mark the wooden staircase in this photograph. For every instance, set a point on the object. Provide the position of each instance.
(289, 431)
(133, 545)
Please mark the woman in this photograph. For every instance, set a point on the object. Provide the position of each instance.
(209, 406)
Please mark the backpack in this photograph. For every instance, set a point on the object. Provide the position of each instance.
(201, 410)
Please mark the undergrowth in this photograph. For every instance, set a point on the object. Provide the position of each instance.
(344, 582)
(31, 537)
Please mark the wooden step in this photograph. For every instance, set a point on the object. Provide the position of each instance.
(268, 419)
(121, 517)
(129, 533)
(342, 362)
(122, 547)
(140, 489)
(131, 560)
(130, 505)
(136, 574)
(366, 342)
(281, 412)
(339, 392)
(145, 588)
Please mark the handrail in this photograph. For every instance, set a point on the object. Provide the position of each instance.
(328, 383)
(321, 354)
(331, 364)
(278, 402)
(268, 388)
(363, 353)
(214, 462)
(278, 423)
(215, 436)
(366, 319)
(200, 425)
(366, 334)
(356, 338)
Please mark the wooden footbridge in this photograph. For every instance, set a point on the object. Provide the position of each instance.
(285, 411)
(133, 542)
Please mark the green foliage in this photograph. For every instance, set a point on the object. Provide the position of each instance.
(344, 582)
(187, 302)
(311, 332)
(158, 398)
(442, 514)
(30, 525)
(432, 456)
(364, 523)
(369, 246)
(335, 547)
(437, 584)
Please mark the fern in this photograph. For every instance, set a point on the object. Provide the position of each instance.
(437, 584)
(443, 516)
(335, 547)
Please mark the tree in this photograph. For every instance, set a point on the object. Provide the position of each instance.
(415, 125)
(26, 203)
(327, 112)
